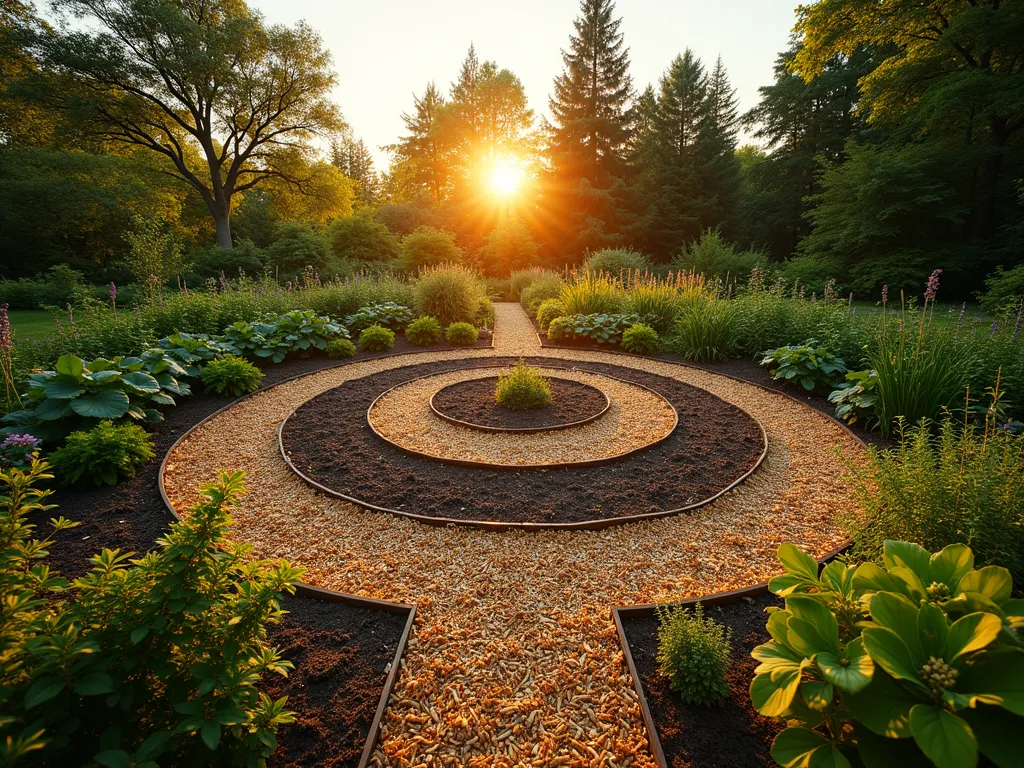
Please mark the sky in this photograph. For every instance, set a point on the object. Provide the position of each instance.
(386, 50)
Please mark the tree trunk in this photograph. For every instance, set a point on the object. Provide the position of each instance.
(222, 219)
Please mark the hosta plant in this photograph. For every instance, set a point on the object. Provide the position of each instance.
(601, 328)
(857, 399)
(276, 336)
(192, 350)
(808, 364)
(918, 661)
(232, 376)
(387, 314)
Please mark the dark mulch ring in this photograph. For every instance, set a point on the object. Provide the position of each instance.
(730, 736)
(328, 439)
(341, 655)
(473, 402)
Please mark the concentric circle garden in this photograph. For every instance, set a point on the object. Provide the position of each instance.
(514, 659)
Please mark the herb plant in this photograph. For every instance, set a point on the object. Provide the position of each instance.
(808, 364)
(461, 334)
(641, 339)
(522, 388)
(232, 376)
(919, 661)
(376, 339)
(340, 349)
(423, 331)
(694, 653)
(102, 455)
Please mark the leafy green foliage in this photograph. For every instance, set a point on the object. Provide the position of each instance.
(603, 329)
(924, 649)
(191, 351)
(103, 454)
(387, 315)
(522, 388)
(813, 366)
(1005, 290)
(462, 334)
(507, 248)
(694, 653)
(960, 484)
(423, 331)
(659, 302)
(617, 261)
(451, 293)
(857, 399)
(361, 237)
(707, 331)
(157, 661)
(542, 287)
(376, 339)
(340, 348)
(521, 279)
(429, 247)
(713, 256)
(593, 294)
(297, 246)
(232, 376)
(549, 310)
(276, 336)
(641, 339)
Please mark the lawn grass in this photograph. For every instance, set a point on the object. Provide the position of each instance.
(944, 313)
(31, 323)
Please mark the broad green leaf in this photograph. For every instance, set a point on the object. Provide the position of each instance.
(152, 745)
(798, 562)
(838, 577)
(70, 365)
(141, 382)
(775, 656)
(813, 627)
(908, 555)
(804, 748)
(870, 578)
(897, 613)
(63, 388)
(998, 733)
(105, 404)
(53, 410)
(772, 693)
(993, 582)
(932, 629)
(853, 675)
(816, 695)
(161, 398)
(103, 377)
(881, 752)
(945, 739)
(951, 564)
(786, 584)
(100, 364)
(113, 758)
(777, 625)
(913, 587)
(42, 690)
(995, 677)
(973, 631)
(883, 706)
(889, 652)
(210, 733)
(94, 684)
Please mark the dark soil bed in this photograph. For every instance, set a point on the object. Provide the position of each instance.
(731, 736)
(472, 402)
(341, 655)
(328, 439)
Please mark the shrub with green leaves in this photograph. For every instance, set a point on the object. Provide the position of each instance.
(450, 292)
(428, 247)
(277, 336)
(191, 351)
(387, 314)
(641, 339)
(232, 376)
(522, 388)
(340, 349)
(655, 301)
(376, 339)
(549, 310)
(542, 287)
(617, 261)
(694, 653)
(461, 334)
(857, 399)
(423, 331)
(156, 661)
(602, 329)
(706, 331)
(917, 661)
(102, 455)
(808, 364)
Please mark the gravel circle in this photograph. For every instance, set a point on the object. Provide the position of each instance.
(402, 416)
(515, 660)
(472, 403)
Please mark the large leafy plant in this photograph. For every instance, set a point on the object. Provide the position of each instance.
(915, 662)
(159, 658)
(808, 364)
(276, 336)
(600, 328)
(857, 398)
(387, 314)
(191, 351)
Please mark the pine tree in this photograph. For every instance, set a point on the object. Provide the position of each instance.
(421, 159)
(722, 169)
(355, 161)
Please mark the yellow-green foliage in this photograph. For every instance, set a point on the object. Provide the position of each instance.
(549, 310)
(423, 331)
(462, 334)
(593, 294)
(103, 454)
(694, 652)
(232, 375)
(376, 339)
(522, 388)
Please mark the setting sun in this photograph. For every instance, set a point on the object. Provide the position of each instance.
(506, 177)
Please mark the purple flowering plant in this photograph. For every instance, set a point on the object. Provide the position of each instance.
(18, 451)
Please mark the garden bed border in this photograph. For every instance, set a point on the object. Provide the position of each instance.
(644, 610)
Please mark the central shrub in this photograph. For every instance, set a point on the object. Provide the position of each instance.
(522, 389)
(451, 293)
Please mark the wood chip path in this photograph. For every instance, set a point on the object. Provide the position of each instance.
(515, 660)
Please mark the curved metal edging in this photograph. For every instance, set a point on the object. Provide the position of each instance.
(489, 465)
(522, 430)
(494, 525)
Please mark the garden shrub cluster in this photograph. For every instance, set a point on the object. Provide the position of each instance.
(462, 334)
(376, 339)
(549, 309)
(522, 388)
(694, 653)
(103, 454)
(423, 331)
(340, 349)
(453, 293)
(156, 661)
(602, 329)
(917, 661)
(232, 376)
(640, 339)
(389, 315)
(277, 336)
(808, 364)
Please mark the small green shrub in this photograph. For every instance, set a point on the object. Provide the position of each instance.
(694, 653)
(376, 339)
(232, 376)
(641, 339)
(548, 311)
(521, 279)
(857, 399)
(452, 293)
(522, 388)
(104, 454)
(423, 331)
(617, 261)
(340, 349)
(542, 287)
(921, 655)
(462, 334)
(706, 332)
(814, 367)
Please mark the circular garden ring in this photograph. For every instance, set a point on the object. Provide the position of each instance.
(380, 468)
(518, 430)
